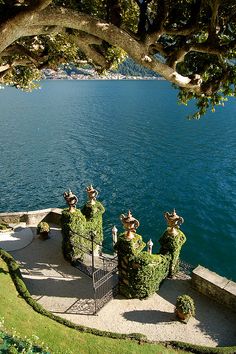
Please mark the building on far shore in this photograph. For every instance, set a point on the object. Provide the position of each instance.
(91, 74)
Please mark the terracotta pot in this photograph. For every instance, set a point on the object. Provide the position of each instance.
(44, 235)
(184, 317)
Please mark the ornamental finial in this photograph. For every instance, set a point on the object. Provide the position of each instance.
(71, 200)
(173, 222)
(92, 194)
(130, 224)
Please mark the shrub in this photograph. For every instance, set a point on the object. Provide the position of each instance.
(43, 227)
(140, 273)
(76, 228)
(185, 305)
(5, 227)
(12, 344)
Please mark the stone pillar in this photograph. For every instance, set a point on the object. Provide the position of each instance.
(172, 240)
(93, 214)
(73, 227)
(171, 244)
(127, 251)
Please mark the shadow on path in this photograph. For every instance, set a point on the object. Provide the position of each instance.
(149, 316)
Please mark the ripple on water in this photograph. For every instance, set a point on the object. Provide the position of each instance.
(131, 141)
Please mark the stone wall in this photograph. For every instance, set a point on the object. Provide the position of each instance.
(51, 215)
(215, 286)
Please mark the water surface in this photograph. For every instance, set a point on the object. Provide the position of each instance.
(134, 144)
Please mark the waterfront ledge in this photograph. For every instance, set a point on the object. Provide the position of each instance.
(214, 286)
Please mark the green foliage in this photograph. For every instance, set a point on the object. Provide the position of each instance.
(171, 245)
(4, 226)
(23, 77)
(61, 49)
(93, 214)
(115, 56)
(185, 304)
(125, 247)
(77, 228)
(12, 344)
(140, 273)
(74, 233)
(146, 274)
(200, 349)
(43, 227)
(219, 81)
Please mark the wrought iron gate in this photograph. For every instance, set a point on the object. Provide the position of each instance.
(105, 283)
(102, 269)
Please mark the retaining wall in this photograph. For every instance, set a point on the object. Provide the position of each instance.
(215, 286)
(51, 215)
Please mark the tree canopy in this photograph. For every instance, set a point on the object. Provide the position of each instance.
(191, 43)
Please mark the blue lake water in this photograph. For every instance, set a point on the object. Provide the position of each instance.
(133, 142)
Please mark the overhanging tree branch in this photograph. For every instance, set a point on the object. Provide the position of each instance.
(115, 36)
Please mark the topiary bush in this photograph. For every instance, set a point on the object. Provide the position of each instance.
(76, 229)
(171, 245)
(4, 227)
(140, 273)
(93, 214)
(73, 234)
(43, 230)
(43, 227)
(185, 307)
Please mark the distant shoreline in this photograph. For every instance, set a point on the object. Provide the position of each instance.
(90, 74)
(105, 79)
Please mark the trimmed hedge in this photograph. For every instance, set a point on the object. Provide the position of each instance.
(93, 214)
(75, 222)
(199, 349)
(141, 273)
(171, 245)
(76, 228)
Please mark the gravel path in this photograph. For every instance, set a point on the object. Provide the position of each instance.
(67, 292)
(16, 239)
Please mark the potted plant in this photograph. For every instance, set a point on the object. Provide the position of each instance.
(43, 230)
(4, 227)
(185, 308)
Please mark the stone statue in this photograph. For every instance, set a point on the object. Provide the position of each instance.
(92, 194)
(130, 224)
(71, 200)
(173, 221)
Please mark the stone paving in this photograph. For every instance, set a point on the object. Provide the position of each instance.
(16, 239)
(67, 292)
